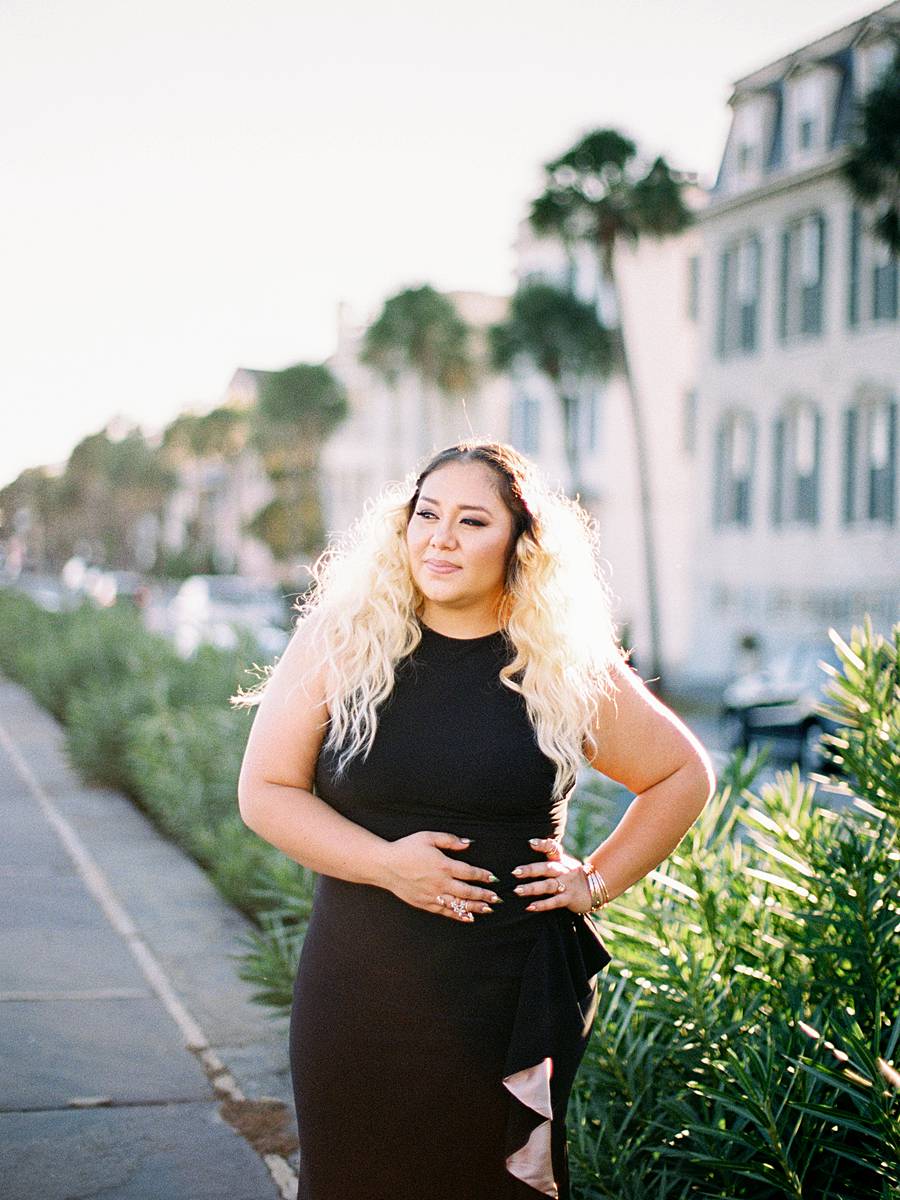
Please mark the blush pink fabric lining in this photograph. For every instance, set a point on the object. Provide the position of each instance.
(532, 1163)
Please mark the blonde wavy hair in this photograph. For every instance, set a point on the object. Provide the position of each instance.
(362, 611)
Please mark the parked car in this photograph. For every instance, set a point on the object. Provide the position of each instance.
(778, 703)
(216, 608)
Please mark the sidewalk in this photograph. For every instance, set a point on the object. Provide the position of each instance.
(130, 1047)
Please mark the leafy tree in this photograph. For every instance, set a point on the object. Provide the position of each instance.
(96, 503)
(564, 338)
(873, 169)
(220, 433)
(595, 195)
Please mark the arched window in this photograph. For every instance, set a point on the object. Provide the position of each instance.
(796, 456)
(735, 453)
(740, 285)
(870, 458)
(801, 285)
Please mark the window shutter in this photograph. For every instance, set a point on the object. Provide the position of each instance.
(891, 481)
(719, 476)
(853, 271)
(722, 316)
(784, 284)
(851, 423)
(819, 309)
(778, 470)
(816, 471)
(751, 475)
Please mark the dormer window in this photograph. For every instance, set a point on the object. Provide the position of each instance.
(811, 98)
(806, 135)
(872, 60)
(753, 117)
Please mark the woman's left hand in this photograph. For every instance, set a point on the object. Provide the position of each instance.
(561, 869)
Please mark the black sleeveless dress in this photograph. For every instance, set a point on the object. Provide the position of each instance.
(432, 1059)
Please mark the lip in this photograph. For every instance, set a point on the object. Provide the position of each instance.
(441, 567)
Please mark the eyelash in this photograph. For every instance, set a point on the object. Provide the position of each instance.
(426, 512)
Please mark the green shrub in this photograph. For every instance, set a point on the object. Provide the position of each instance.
(747, 1023)
(91, 647)
(185, 764)
(99, 727)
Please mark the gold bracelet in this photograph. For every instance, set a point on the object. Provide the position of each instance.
(597, 886)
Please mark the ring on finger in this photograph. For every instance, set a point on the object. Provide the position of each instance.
(560, 886)
(458, 906)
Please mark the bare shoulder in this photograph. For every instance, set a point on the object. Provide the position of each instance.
(640, 740)
(289, 723)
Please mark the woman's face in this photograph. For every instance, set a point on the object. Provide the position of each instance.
(459, 538)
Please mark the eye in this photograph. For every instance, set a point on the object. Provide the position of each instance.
(473, 521)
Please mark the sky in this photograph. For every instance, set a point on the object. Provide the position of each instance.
(190, 186)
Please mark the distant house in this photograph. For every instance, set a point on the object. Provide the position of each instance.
(799, 366)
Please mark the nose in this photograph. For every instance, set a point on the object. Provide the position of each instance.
(442, 535)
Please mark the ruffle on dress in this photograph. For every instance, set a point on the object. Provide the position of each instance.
(555, 1014)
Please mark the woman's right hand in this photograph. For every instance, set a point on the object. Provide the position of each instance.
(418, 873)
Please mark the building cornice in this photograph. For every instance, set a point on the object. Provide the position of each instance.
(784, 182)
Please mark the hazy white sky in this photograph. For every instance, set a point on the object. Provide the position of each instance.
(192, 185)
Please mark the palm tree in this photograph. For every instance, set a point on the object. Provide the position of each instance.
(566, 341)
(296, 410)
(420, 331)
(593, 195)
(873, 169)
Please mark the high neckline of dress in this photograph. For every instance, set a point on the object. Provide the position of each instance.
(457, 641)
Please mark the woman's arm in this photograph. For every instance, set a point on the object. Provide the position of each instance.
(645, 746)
(275, 797)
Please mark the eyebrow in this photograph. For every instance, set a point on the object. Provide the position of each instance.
(476, 507)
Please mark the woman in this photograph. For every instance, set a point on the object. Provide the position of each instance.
(415, 746)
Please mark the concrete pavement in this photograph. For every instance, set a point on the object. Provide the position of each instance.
(135, 1066)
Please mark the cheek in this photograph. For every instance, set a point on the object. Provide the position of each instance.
(492, 556)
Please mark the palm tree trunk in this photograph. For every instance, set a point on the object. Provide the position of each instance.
(653, 668)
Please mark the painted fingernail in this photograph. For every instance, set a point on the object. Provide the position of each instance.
(486, 908)
(492, 878)
(495, 898)
(529, 908)
(535, 841)
(519, 890)
(517, 871)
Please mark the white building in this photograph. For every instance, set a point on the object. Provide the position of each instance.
(657, 288)
(799, 366)
(391, 430)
